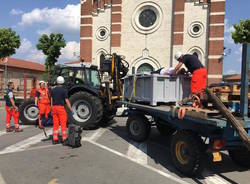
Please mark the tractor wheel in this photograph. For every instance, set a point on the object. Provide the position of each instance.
(138, 127)
(240, 156)
(28, 112)
(87, 109)
(186, 153)
(164, 129)
(107, 117)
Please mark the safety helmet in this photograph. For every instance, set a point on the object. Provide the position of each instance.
(178, 55)
(60, 80)
(41, 82)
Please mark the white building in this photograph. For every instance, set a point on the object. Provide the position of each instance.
(148, 33)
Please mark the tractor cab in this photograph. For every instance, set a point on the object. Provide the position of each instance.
(77, 74)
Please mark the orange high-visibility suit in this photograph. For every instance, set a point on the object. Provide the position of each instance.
(43, 103)
(58, 95)
(10, 110)
(199, 81)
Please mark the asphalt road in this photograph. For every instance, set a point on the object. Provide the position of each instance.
(107, 156)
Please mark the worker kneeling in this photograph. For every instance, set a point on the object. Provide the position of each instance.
(59, 96)
(42, 100)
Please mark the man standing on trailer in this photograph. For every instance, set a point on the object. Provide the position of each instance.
(194, 66)
(59, 97)
(42, 100)
(11, 109)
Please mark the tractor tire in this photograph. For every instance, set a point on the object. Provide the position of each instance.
(186, 153)
(107, 117)
(138, 127)
(28, 112)
(165, 130)
(240, 156)
(87, 110)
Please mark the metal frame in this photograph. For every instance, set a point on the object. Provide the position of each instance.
(212, 128)
(244, 80)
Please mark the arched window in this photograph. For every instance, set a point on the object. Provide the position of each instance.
(145, 67)
(102, 58)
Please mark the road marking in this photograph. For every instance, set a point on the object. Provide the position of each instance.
(53, 181)
(42, 147)
(210, 178)
(3, 132)
(23, 145)
(2, 181)
(97, 134)
(138, 152)
(143, 165)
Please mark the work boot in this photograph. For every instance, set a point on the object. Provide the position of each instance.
(65, 142)
(18, 130)
(9, 129)
(41, 127)
(54, 142)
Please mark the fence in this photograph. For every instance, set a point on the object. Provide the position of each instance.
(23, 86)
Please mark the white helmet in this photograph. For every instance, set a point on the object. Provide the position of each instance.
(60, 80)
(41, 82)
(177, 55)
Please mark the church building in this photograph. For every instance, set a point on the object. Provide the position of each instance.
(149, 32)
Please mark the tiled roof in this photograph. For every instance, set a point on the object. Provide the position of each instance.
(18, 63)
(72, 62)
(233, 77)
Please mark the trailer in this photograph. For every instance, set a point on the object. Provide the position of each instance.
(193, 135)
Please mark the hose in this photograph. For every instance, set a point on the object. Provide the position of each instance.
(181, 113)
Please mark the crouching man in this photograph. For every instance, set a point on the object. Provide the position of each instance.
(59, 97)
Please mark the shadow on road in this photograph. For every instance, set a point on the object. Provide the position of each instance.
(159, 151)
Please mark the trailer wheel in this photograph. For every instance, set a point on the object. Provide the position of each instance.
(138, 127)
(186, 152)
(240, 156)
(165, 130)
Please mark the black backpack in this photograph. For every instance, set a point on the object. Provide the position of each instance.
(74, 136)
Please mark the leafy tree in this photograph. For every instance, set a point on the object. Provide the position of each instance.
(9, 42)
(51, 47)
(242, 32)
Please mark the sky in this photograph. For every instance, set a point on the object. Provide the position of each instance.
(32, 18)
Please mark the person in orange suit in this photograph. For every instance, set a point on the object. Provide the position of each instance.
(198, 71)
(59, 97)
(42, 100)
(11, 109)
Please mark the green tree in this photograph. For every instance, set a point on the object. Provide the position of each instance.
(9, 42)
(242, 32)
(51, 47)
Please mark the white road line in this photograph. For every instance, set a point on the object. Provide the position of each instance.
(3, 132)
(210, 178)
(42, 147)
(23, 145)
(2, 181)
(138, 152)
(96, 135)
(169, 176)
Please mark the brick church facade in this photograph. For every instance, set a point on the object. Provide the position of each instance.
(149, 33)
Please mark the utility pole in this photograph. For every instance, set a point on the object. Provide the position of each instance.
(5, 71)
